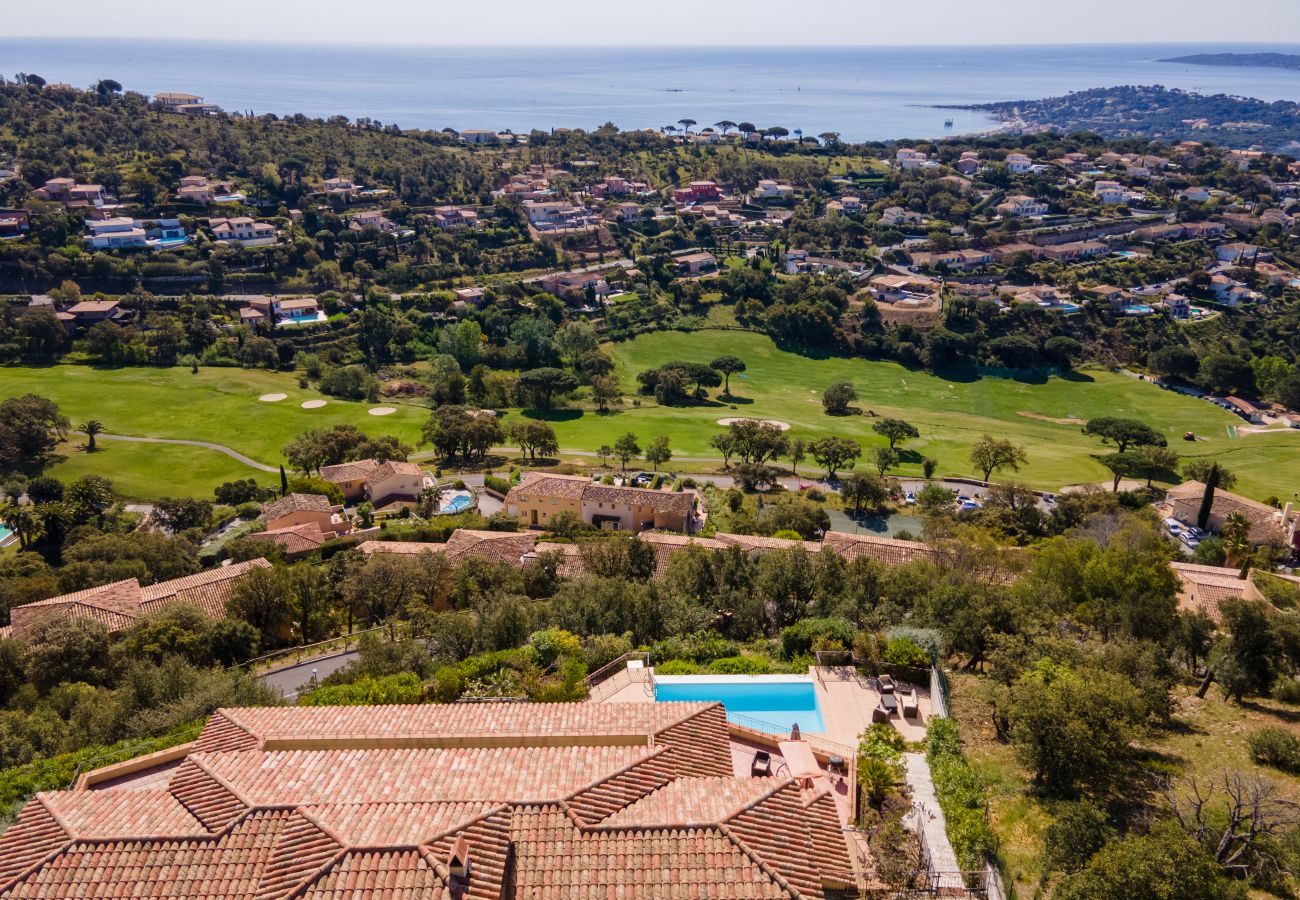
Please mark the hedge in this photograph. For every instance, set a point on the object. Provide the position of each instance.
(961, 794)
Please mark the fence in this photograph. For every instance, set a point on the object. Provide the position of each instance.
(938, 693)
(615, 675)
(340, 644)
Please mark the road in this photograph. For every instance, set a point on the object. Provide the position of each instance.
(292, 679)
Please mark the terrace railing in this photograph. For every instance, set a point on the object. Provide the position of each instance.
(615, 675)
(778, 732)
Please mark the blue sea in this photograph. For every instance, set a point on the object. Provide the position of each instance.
(863, 93)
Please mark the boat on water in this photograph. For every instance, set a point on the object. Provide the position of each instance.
(947, 123)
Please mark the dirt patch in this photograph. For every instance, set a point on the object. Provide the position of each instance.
(312, 404)
(382, 410)
(403, 389)
(1067, 420)
(784, 426)
(273, 398)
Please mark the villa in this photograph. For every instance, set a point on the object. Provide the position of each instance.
(243, 231)
(473, 296)
(371, 219)
(1018, 163)
(769, 191)
(1267, 524)
(387, 486)
(481, 800)
(697, 191)
(340, 187)
(571, 284)
(120, 605)
(1203, 588)
(1110, 192)
(908, 159)
(14, 223)
(695, 263)
(896, 215)
(1073, 251)
(189, 104)
(301, 509)
(71, 194)
(539, 498)
(1023, 206)
(198, 189)
(454, 217)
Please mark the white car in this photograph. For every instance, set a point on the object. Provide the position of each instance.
(1175, 527)
(1190, 542)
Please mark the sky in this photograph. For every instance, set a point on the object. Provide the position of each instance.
(572, 23)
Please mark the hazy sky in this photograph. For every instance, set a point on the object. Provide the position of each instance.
(708, 22)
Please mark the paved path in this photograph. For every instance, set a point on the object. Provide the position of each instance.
(207, 445)
(929, 819)
(292, 679)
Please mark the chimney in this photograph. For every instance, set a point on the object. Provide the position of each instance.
(458, 862)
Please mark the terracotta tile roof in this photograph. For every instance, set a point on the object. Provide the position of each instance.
(1203, 588)
(296, 540)
(564, 487)
(348, 471)
(291, 503)
(118, 605)
(501, 546)
(609, 800)
(881, 549)
(1265, 521)
(678, 502)
(758, 543)
(393, 467)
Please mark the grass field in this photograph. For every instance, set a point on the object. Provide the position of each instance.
(951, 415)
(221, 406)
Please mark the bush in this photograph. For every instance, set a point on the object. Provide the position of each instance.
(1275, 747)
(740, 665)
(902, 651)
(882, 741)
(799, 638)
(928, 639)
(961, 796)
(365, 691)
(677, 667)
(1080, 830)
(248, 511)
(1287, 690)
(500, 485)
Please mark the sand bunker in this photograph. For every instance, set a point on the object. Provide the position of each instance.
(784, 426)
(272, 398)
(312, 404)
(382, 410)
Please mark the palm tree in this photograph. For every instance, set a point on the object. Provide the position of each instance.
(91, 428)
(1236, 537)
(89, 497)
(877, 780)
(26, 522)
(686, 124)
(430, 499)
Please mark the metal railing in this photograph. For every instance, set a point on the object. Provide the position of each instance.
(778, 732)
(298, 654)
(615, 675)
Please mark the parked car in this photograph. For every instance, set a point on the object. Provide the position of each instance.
(909, 499)
(1190, 542)
(1175, 527)
(970, 504)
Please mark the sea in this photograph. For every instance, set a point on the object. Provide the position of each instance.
(860, 93)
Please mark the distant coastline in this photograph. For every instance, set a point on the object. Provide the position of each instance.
(1255, 60)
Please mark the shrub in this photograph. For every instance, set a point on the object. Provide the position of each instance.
(248, 511)
(677, 667)
(500, 485)
(1287, 690)
(902, 651)
(961, 796)
(402, 688)
(1275, 747)
(740, 665)
(1080, 830)
(929, 640)
(799, 638)
(882, 741)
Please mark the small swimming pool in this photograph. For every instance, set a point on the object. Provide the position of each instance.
(773, 703)
(1138, 309)
(457, 503)
(6, 535)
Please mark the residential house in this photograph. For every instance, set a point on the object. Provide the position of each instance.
(695, 263)
(371, 218)
(190, 104)
(295, 309)
(1073, 251)
(71, 194)
(1023, 206)
(394, 484)
(300, 509)
(769, 191)
(14, 223)
(629, 212)
(969, 163)
(455, 217)
(696, 192)
(1110, 192)
(1240, 253)
(1268, 525)
(896, 216)
(198, 189)
(1109, 295)
(909, 159)
(800, 262)
(897, 288)
(1165, 231)
(473, 800)
(1176, 305)
(1204, 230)
(1242, 223)
(116, 233)
(575, 284)
(342, 188)
(480, 136)
(539, 498)
(618, 186)
(295, 541)
(244, 231)
(1018, 163)
(119, 605)
(1006, 251)
(1244, 159)
(1194, 194)
(553, 215)
(1229, 291)
(1202, 589)
(473, 296)
(350, 478)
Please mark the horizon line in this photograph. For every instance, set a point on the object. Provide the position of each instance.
(411, 45)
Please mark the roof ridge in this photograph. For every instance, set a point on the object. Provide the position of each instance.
(766, 867)
(655, 750)
(781, 785)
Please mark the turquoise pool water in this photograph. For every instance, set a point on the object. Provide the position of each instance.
(771, 703)
(457, 503)
(4, 532)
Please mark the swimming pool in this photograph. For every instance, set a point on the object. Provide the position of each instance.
(1138, 309)
(457, 503)
(773, 703)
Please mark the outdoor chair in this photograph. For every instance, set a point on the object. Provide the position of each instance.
(879, 714)
(911, 706)
(886, 684)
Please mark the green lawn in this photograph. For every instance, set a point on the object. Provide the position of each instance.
(951, 415)
(220, 405)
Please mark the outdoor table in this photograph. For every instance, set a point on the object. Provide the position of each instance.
(889, 702)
